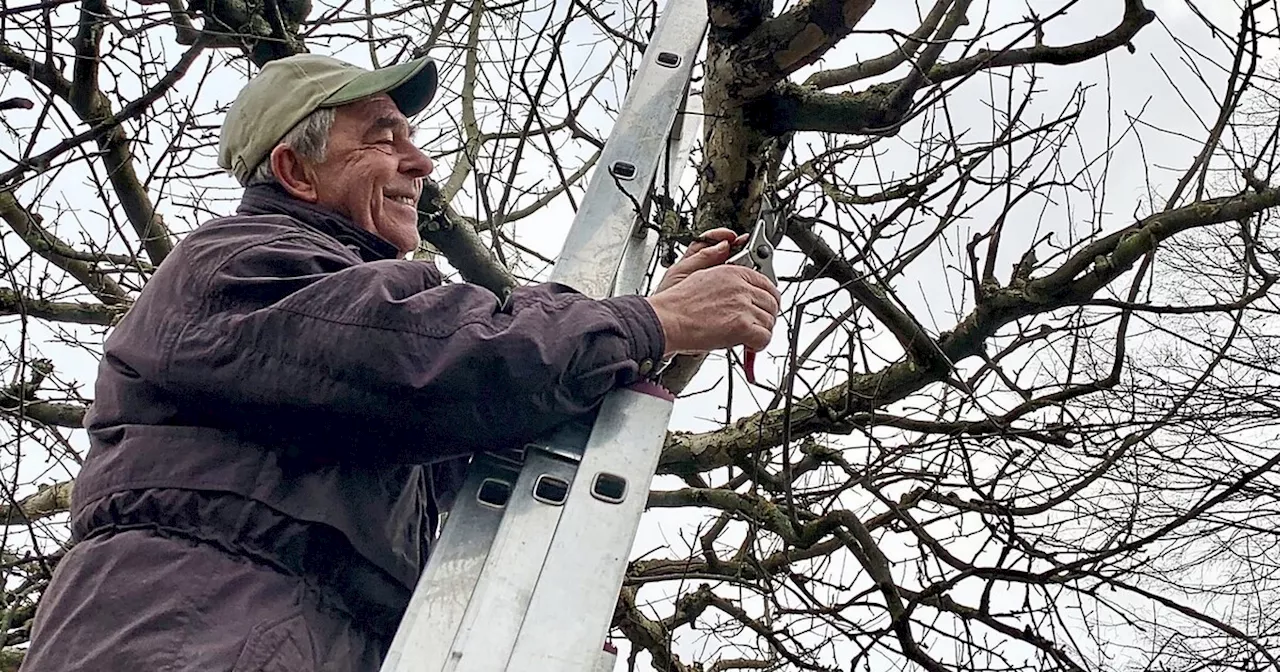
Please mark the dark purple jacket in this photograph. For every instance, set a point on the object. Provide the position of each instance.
(285, 389)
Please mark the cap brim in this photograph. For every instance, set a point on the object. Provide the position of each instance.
(411, 86)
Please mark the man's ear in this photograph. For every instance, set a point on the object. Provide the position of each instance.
(293, 173)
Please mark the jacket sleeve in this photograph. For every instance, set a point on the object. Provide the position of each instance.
(289, 337)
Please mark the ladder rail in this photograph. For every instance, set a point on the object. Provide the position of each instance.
(498, 605)
(488, 580)
(439, 601)
(587, 561)
(597, 240)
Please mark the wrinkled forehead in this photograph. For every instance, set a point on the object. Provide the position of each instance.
(380, 113)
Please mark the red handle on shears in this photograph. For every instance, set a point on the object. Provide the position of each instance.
(757, 253)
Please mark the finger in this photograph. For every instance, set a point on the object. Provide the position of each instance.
(758, 279)
(706, 257)
(760, 282)
(721, 233)
(757, 338)
(755, 318)
(757, 297)
(710, 239)
(765, 301)
(762, 291)
(766, 318)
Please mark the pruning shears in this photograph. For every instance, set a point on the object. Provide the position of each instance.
(757, 254)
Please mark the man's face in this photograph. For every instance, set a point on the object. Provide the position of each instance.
(373, 172)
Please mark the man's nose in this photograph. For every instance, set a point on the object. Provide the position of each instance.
(416, 163)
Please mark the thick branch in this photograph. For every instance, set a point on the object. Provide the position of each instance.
(790, 41)
(790, 107)
(731, 19)
(11, 659)
(38, 71)
(758, 509)
(48, 246)
(1075, 282)
(265, 30)
(84, 74)
(918, 344)
(48, 501)
(874, 67)
(1136, 17)
(646, 633)
(917, 77)
(74, 312)
(459, 242)
(70, 416)
(94, 108)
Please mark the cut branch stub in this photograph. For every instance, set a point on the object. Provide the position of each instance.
(459, 242)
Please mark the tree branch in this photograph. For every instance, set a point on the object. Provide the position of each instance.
(98, 130)
(1071, 284)
(94, 108)
(458, 241)
(44, 73)
(791, 107)
(69, 416)
(874, 67)
(48, 501)
(790, 41)
(13, 303)
(919, 345)
(18, 399)
(646, 633)
(48, 246)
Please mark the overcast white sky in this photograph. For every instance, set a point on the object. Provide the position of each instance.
(1123, 85)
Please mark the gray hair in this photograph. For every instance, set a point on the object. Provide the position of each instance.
(309, 138)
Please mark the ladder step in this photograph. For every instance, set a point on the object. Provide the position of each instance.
(440, 599)
(577, 592)
(500, 600)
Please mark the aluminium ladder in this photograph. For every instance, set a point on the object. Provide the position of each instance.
(527, 570)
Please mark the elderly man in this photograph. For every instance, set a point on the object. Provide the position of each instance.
(283, 415)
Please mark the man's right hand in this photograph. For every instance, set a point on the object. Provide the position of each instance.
(717, 308)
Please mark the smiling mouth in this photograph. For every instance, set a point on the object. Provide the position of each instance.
(407, 200)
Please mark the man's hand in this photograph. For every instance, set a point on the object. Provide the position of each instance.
(716, 306)
(702, 255)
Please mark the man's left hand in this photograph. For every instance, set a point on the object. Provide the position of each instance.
(702, 255)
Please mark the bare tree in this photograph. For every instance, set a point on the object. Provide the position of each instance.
(1021, 410)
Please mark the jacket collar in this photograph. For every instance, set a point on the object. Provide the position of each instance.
(271, 199)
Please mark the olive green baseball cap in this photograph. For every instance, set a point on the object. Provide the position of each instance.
(286, 90)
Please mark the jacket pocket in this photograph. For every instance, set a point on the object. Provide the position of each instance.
(278, 646)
